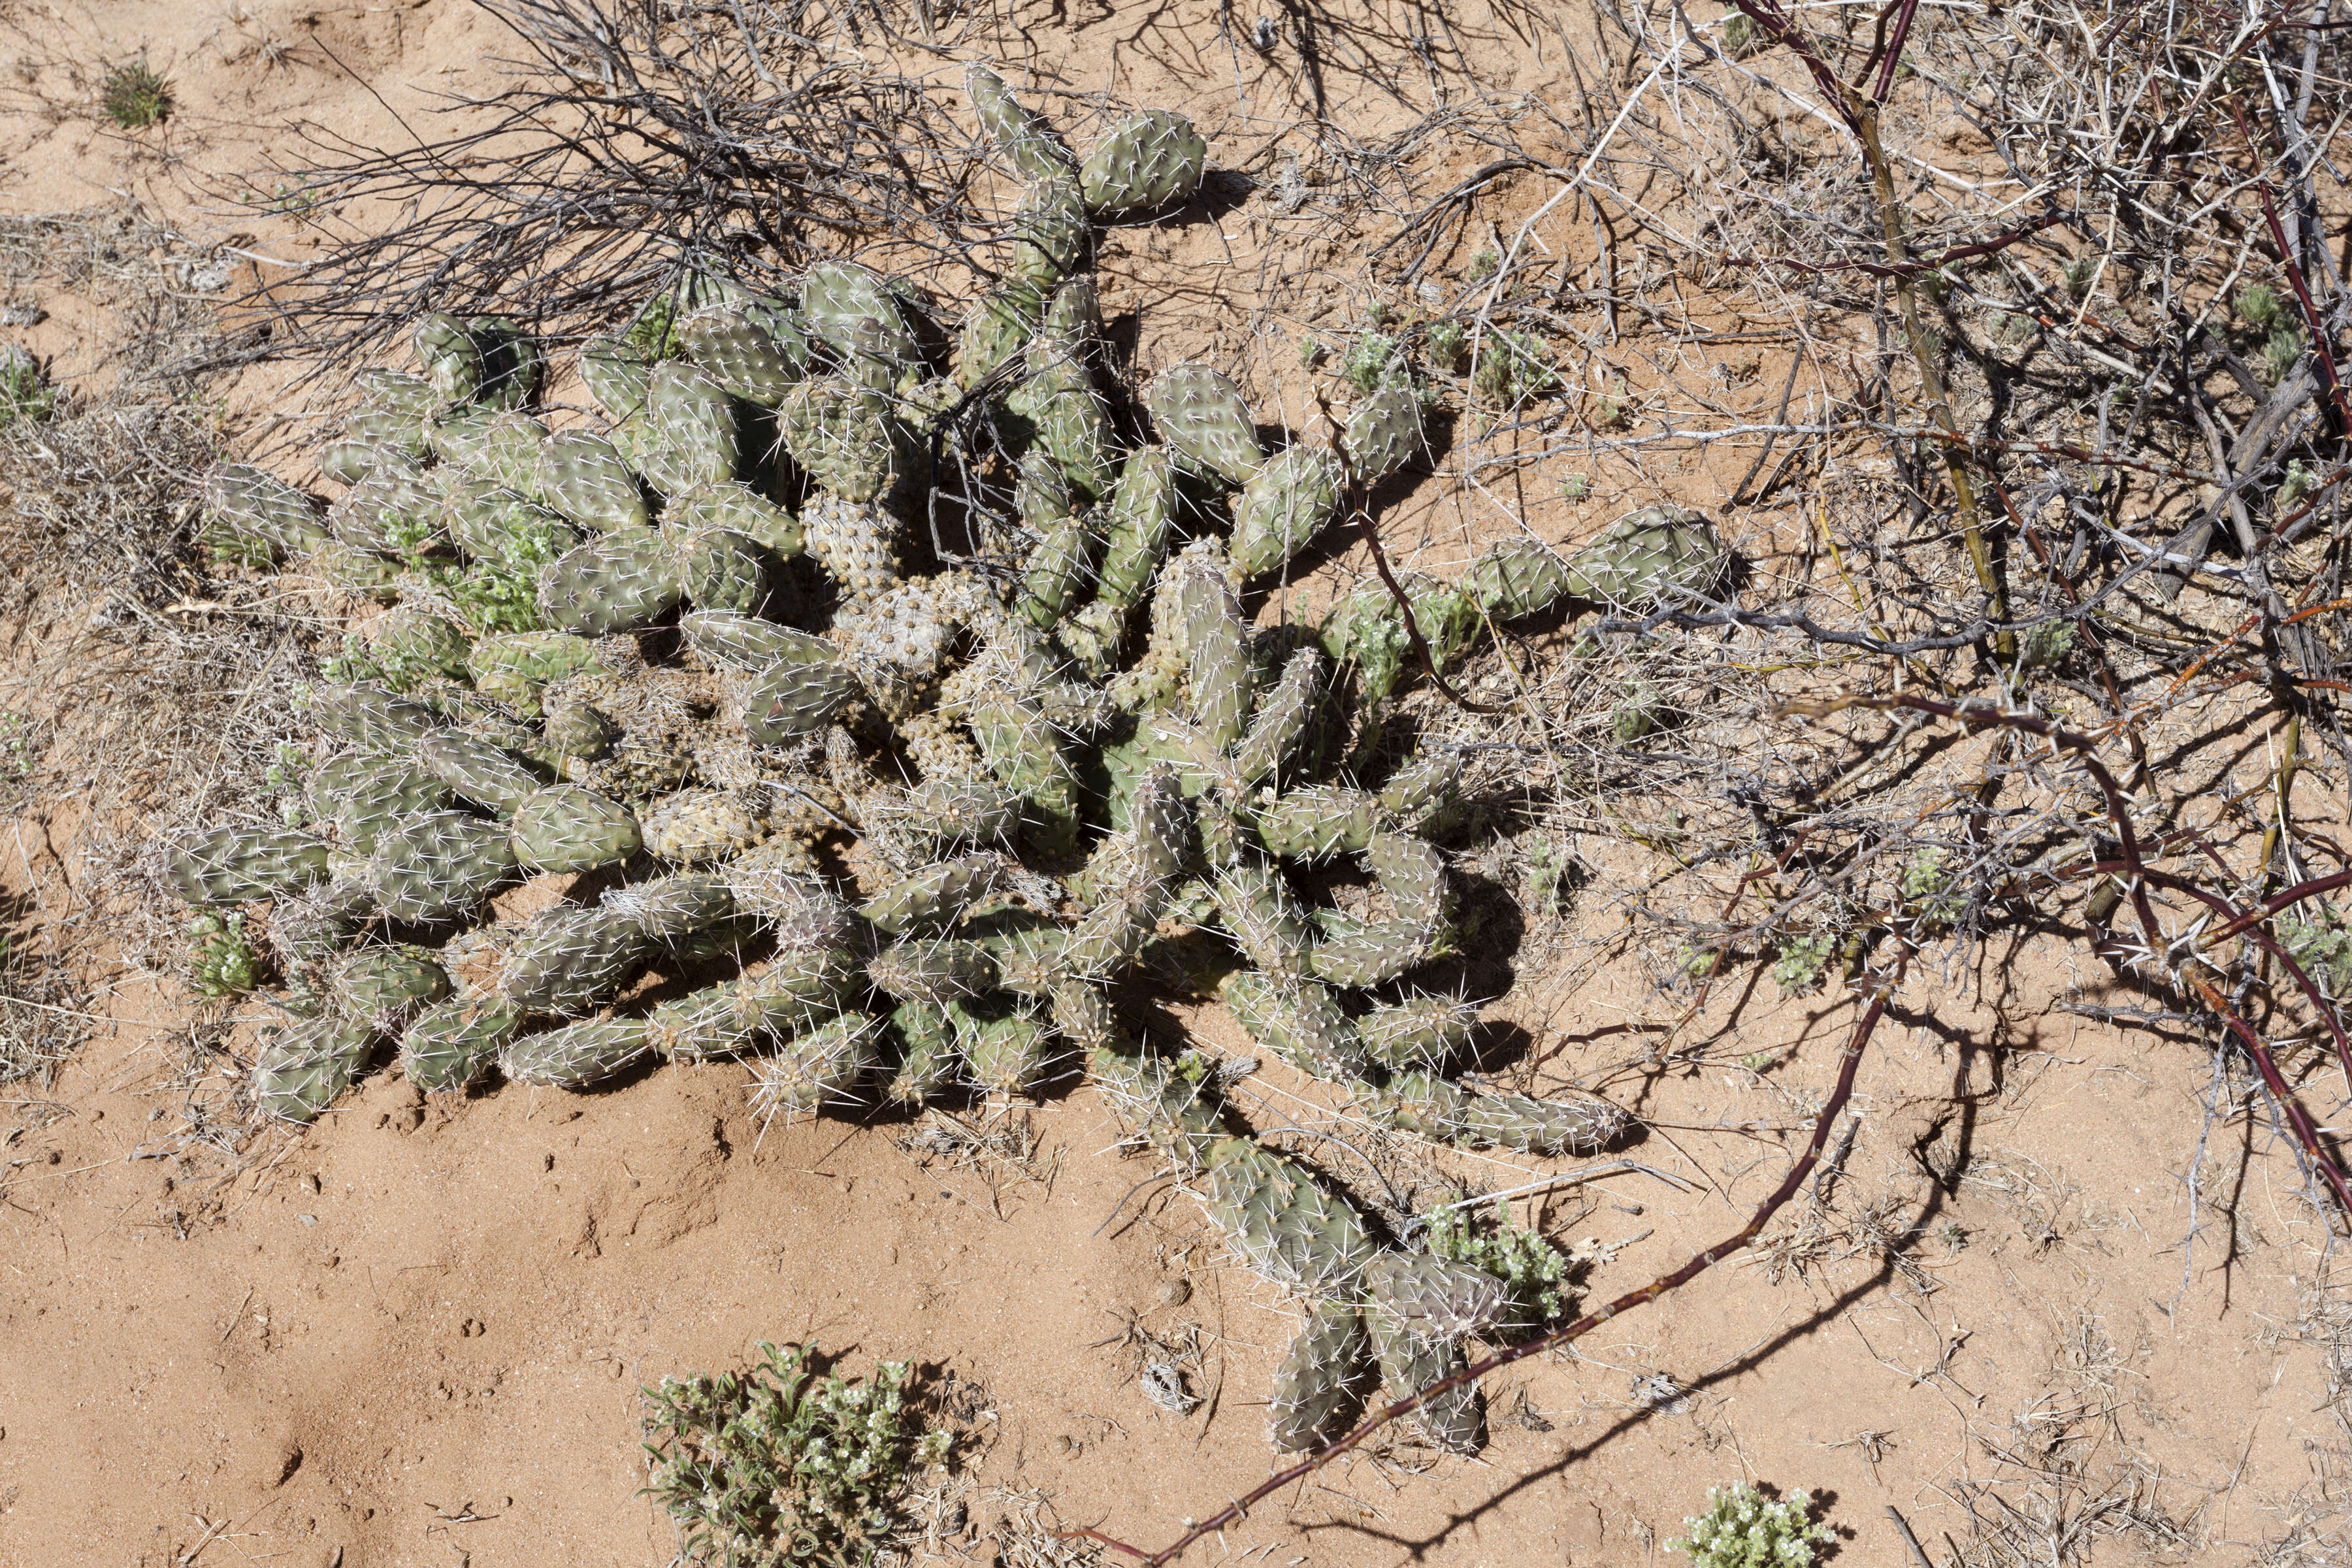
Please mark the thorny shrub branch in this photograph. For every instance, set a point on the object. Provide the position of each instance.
(2130, 864)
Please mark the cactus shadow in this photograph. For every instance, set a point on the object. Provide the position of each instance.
(1220, 192)
(1489, 930)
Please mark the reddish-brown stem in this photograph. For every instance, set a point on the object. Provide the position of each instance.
(2311, 322)
(2296, 972)
(2135, 870)
(2307, 1132)
(1664, 1284)
(1892, 56)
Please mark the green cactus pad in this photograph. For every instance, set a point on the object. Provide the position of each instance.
(565, 961)
(452, 1045)
(565, 828)
(473, 769)
(854, 313)
(1028, 143)
(1322, 1378)
(1281, 1222)
(1418, 1035)
(252, 504)
(741, 508)
(669, 909)
(1524, 577)
(1411, 1361)
(584, 477)
(1660, 554)
(365, 793)
(936, 895)
(938, 972)
(1282, 718)
(738, 353)
(1149, 159)
(1371, 952)
(1297, 1020)
(451, 360)
(1284, 504)
(1199, 413)
(721, 570)
(1384, 432)
(235, 865)
(1264, 917)
(383, 986)
(1319, 822)
(300, 1070)
(438, 865)
(1539, 1126)
(616, 581)
(850, 440)
(577, 1056)
(821, 1068)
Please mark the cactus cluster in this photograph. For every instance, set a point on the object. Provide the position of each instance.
(915, 821)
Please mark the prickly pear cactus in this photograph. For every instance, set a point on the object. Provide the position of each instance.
(679, 666)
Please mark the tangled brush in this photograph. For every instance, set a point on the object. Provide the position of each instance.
(707, 655)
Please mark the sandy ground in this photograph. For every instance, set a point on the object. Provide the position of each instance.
(414, 1334)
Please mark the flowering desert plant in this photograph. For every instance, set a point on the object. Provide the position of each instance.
(1742, 1528)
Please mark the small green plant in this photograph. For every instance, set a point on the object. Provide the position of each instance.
(1547, 872)
(653, 334)
(1953, 1235)
(2013, 326)
(1539, 1275)
(15, 745)
(782, 1465)
(1927, 887)
(1757, 1062)
(1486, 264)
(2281, 351)
(1514, 367)
(2078, 275)
(2298, 482)
(287, 201)
(354, 664)
(1370, 361)
(1803, 962)
(1310, 352)
(1636, 714)
(1447, 342)
(2322, 945)
(2046, 646)
(1742, 1528)
(25, 390)
(2260, 306)
(221, 960)
(135, 96)
(1575, 487)
(1738, 33)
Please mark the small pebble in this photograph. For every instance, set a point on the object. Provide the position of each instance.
(1062, 1445)
(1175, 1292)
